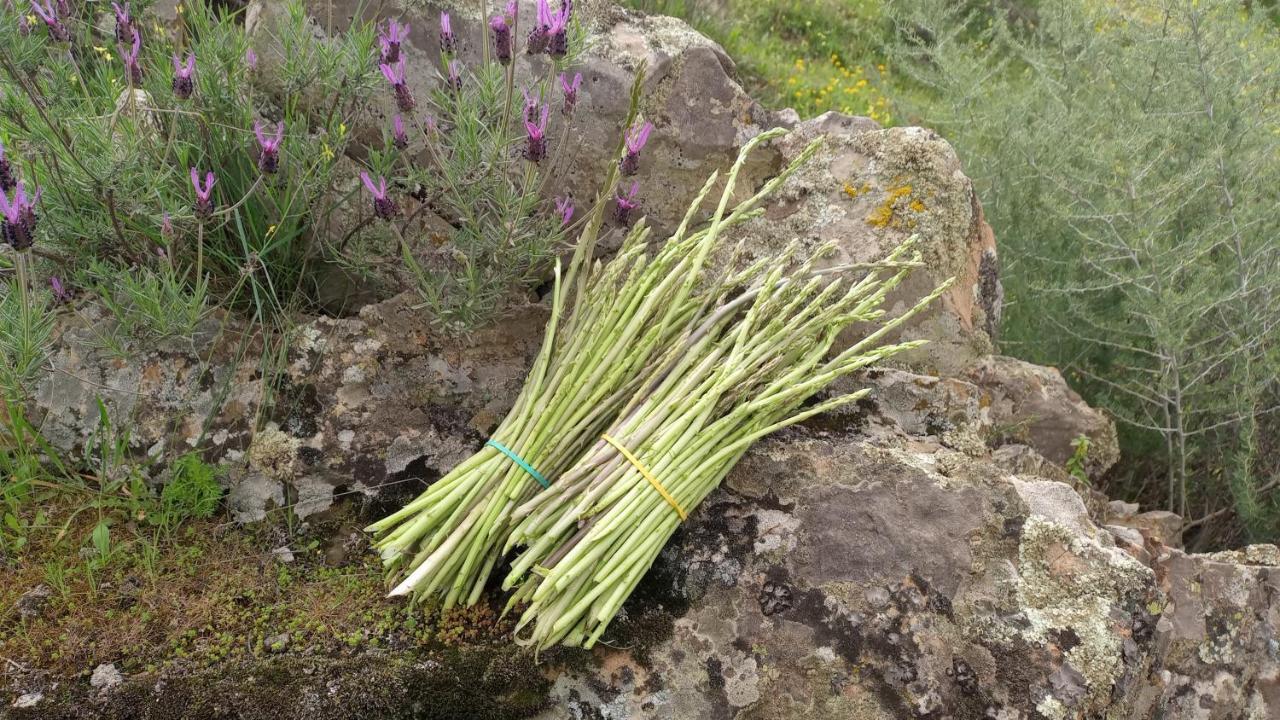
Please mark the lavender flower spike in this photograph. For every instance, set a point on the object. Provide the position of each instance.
(530, 105)
(7, 180)
(18, 218)
(124, 22)
(204, 199)
(50, 17)
(536, 149)
(564, 206)
(558, 31)
(623, 204)
(60, 292)
(570, 90)
(501, 38)
(183, 85)
(635, 139)
(268, 148)
(455, 76)
(166, 228)
(383, 206)
(540, 35)
(448, 43)
(398, 136)
(395, 76)
(251, 60)
(391, 39)
(130, 58)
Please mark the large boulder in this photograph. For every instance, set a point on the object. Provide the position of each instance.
(867, 190)
(355, 403)
(880, 574)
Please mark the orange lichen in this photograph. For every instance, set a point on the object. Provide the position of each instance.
(884, 215)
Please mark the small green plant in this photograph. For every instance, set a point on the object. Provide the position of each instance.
(151, 301)
(191, 493)
(1079, 453)
(25, 328)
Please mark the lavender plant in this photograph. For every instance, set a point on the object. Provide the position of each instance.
(169, 175)
(484, 164)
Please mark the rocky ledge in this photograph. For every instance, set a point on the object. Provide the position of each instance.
(922, 554)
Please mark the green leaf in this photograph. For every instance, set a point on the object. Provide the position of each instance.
(102, 538)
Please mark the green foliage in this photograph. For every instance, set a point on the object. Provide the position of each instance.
(497, 233)
(191, 493)
(1079, 453)
(1125, 155)
(151, 302)
(812, 56)
(114, 160)
(25, 328)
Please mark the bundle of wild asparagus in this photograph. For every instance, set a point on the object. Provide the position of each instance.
(746, 371)
(624, 318)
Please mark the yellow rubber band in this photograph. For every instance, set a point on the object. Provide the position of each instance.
(647, 476)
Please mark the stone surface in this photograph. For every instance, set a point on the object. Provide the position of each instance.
(886, 576)
(32, 602)
(105, 677)
(868, 189)
(1033, 405)
(378, 399)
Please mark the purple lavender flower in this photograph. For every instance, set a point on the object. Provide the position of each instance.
(166, 228)
(536, 149)
(623, 204)
(570, 90)
(7, 180)
(398, 136)
(558, 32)
(183, 85)
(636, 137)
(530, 105)
(124, 23)
(24, 26)
(60, 292)
(540, 35)
(18, 218)
(204, 200)
(50, 17)
(395, 76)
(433, 126)
(501, 38)
(391, 39)
(268, 148)
(448, 43)
(251, 60)
(383, 206)
(455, 76)
(130, 58)
(564, 206)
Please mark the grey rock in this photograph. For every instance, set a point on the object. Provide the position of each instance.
(879, 579)
(1034, 406)
(32, 602)
(277, 643)
(28, 700)
(105, 677)
(868, 189)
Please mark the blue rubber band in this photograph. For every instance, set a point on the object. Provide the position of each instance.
(519, 461)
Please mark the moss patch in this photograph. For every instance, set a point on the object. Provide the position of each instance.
(212, 621)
